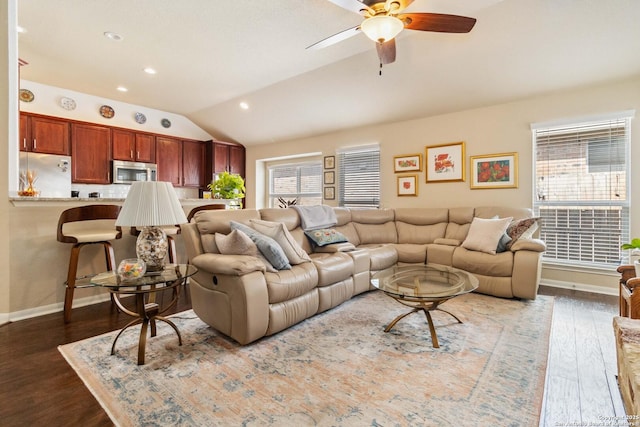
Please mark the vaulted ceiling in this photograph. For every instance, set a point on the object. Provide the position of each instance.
(210, 55)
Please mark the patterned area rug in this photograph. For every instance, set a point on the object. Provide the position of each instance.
(336, 369)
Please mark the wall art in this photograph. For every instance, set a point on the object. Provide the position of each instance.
(494, 171)
(408, 185)
(445, 162)
(407, 163)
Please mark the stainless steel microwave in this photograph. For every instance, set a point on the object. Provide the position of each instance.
(128, 172)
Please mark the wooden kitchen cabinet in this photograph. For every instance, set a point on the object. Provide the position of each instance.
(169, 160)
(133, 146)
(90, 154)
(44, 135)
(193, 164)
(225, 156)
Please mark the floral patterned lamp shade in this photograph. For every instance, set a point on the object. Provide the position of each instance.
(151, 204)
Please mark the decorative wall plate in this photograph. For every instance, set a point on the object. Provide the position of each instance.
(140, 118)
(165, 123)
(67, 103)
(26, 95)
(107, 112)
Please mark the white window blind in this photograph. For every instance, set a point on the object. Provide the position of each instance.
(581, 190)
(299, 181)
(359, 177)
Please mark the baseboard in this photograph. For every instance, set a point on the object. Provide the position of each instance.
(605, 290)
(51, 308)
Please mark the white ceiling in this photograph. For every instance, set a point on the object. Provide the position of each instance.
(212, 54)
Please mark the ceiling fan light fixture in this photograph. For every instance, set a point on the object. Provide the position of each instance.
(382, 28)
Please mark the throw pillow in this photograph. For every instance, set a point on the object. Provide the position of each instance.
(502, 243)
(522, 229)
(266, 245)
(484, 234)
(325, 236)
(278, 232)
(238, 243)
(235, 243)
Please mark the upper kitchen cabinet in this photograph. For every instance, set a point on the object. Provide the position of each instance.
(133, 146)
(169, 160)
(44, 135)
(193, 164)
(90, 154)
(225, 156)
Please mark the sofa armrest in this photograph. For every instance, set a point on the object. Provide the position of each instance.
(335, 247)
(535, 245)
(231, 265)
(447, 242)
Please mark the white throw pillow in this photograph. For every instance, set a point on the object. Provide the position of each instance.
(484, 234)
(278, 232)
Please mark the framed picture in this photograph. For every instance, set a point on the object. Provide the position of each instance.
(494, 171)
(445, 163)
(329, 193)
(407, 163)
(329, 177)
(408, 185)
(329, 162)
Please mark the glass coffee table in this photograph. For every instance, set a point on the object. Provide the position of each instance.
(145, 289)
(424, 288)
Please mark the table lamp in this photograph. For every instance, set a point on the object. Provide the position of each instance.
(151, 204)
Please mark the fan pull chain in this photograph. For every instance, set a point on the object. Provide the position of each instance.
(380, 72)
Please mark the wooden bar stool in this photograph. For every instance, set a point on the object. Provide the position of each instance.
(98, 232)
(204, 208)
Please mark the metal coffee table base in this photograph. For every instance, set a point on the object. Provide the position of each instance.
(426, 308)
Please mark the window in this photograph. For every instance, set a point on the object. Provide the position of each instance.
(359, 177)
(301, 181)
(582, 190)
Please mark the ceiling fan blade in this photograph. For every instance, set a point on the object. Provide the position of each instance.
(437, 22)
(338, 37)
(352, 5)
(387, 51)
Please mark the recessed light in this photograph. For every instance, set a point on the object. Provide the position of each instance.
(113, 36)
(150, 70)
(244, 105)
(122, 89)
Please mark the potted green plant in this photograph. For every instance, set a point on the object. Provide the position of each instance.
(228, 186)
(635, 253)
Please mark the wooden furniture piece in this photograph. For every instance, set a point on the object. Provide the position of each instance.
(96, 232)
(197, 209)
(147, 310)
(629, 300)
(42, 134)
(91, 151)
(627, 334)
(133, 146)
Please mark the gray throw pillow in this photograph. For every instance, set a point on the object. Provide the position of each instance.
(269, 248)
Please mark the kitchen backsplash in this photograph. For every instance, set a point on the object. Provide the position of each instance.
(119, 191)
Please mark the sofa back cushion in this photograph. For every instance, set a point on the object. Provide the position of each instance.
(421, 225)
(374, 226)
(217, 221)
(459, 223)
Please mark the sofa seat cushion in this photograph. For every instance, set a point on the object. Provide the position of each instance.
(498, 265)
(381, 256)
(332, 268)
(284, 285)
(411, 253)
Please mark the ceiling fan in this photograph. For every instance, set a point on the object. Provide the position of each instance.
(383, 22)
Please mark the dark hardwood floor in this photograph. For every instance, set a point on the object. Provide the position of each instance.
(38, 387)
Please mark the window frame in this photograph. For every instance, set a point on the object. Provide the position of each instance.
(603, 206)
(271, 196)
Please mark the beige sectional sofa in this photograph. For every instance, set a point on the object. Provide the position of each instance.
(245, 299)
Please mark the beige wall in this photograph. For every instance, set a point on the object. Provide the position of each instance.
(493, 129)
